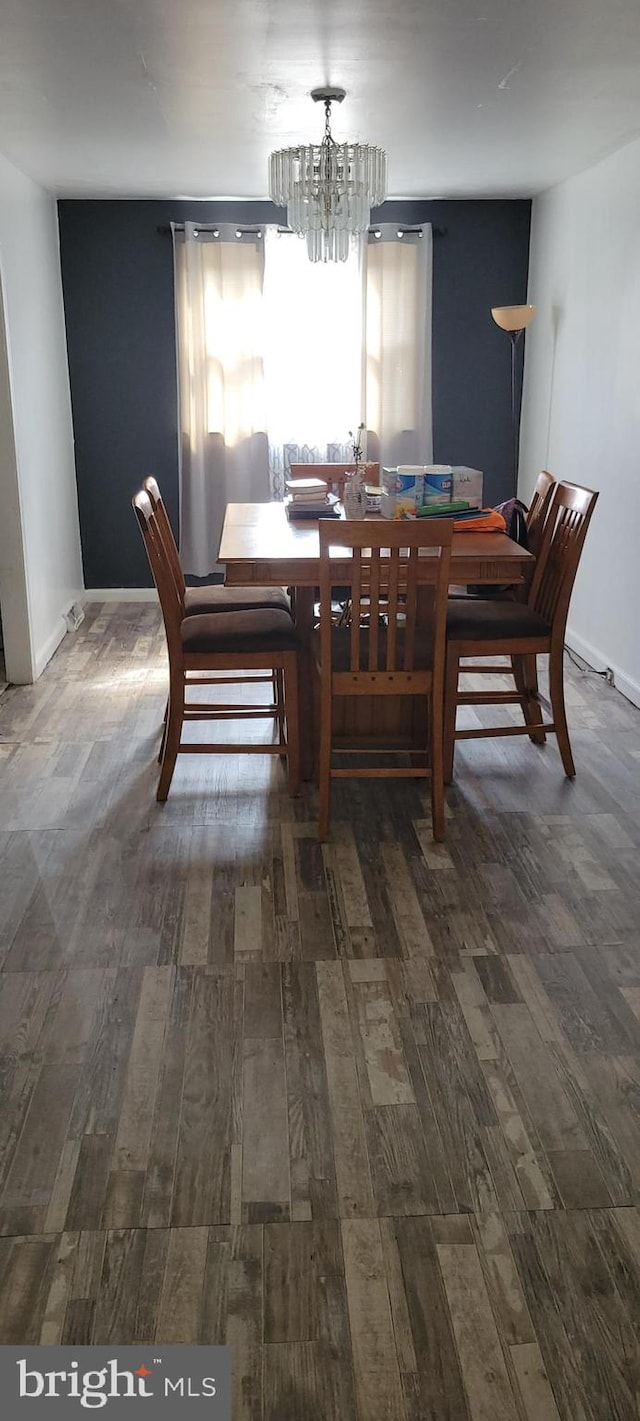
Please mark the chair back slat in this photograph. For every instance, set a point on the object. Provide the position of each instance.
(374, 608)
(539, 510)
(411, 608)
(356, 594)
(390, 562)
(171, 599)
(565, 529)
(392, 608)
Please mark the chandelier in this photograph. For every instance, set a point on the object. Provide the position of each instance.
(328, 188)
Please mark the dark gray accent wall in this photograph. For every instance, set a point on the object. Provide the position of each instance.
(117, 274)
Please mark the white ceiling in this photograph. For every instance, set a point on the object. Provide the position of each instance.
(150, 98)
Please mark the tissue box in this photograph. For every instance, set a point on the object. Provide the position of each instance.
(467, 483)
(402, 491)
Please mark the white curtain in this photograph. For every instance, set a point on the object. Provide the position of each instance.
(397, 346)
(222, 418)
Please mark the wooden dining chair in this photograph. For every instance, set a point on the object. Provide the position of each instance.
(538, 509)
(202, 648)
(216, 598)
(522, 632)
(535, 520)
(335, 475)
(387, 650)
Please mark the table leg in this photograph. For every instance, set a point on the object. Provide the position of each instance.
(303, 610)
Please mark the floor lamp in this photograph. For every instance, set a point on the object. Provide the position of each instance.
(514, 320)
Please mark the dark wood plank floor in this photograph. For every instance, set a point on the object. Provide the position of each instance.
(368, 1112)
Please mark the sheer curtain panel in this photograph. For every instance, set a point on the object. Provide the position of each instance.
(397, 346)
(222, 419)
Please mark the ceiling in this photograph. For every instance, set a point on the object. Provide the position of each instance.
(153, 98)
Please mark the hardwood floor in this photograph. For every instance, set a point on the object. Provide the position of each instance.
(368, 1112)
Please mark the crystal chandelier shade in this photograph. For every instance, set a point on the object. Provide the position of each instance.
(328, 188)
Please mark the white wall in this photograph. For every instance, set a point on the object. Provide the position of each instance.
(581, 407)
(14, 601)
(38, 496)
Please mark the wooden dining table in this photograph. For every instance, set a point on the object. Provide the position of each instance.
(260, 546)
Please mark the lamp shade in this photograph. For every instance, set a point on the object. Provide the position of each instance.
(513, 318)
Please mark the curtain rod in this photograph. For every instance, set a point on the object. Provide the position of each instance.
(165, 230)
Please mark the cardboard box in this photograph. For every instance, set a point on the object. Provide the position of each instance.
(402, 491)
(467, 483)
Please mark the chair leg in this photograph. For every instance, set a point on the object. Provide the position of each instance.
(173, 732)
(164, 733)
(279, 699)
(450, 708)
(288, 682)
(525, 675)
(436, 713)
(279, 702)
(324, 766)
(556, 690)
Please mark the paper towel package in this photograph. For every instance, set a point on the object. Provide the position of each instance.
(437, 483)
(467, 483)
(402, 491)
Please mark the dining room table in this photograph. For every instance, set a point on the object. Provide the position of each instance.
(260, 545)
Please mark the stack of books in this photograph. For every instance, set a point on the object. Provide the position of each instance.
(309, 498)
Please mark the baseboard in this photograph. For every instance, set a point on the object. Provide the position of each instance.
(599, 662)
(45, 652)
(120, 594)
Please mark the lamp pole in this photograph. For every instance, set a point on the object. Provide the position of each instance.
(514, 337)
(514, 320)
